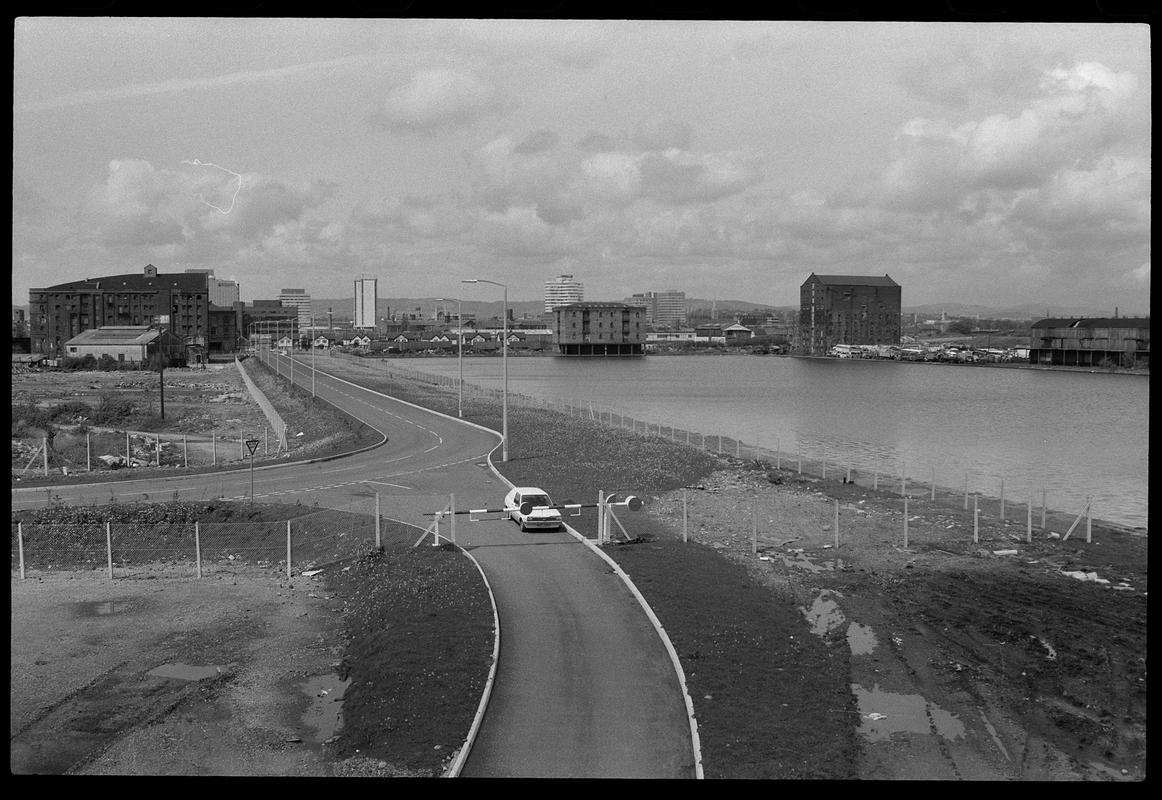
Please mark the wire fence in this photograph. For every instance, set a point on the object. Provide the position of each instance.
(945, 482)
(130, 549)
(76, 451)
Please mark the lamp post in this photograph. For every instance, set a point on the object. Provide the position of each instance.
(504, 360)
(459, 350)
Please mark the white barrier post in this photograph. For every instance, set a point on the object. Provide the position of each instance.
(88, 454)
(288, 548)
(198, 548)
(600, 513)
(452, 521)
(109, 548)
(128, 452)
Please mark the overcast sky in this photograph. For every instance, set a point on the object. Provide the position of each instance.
(974, 163)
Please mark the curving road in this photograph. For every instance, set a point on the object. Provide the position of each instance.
(584, 685)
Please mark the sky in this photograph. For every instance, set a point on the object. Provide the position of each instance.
(991, 164)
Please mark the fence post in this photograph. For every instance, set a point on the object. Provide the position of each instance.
(1029, 522)
(185, 452)
(1088, 521)
(377, 539)
(685, 519)
(213, 448)
(876, 476)
(288, 548)
(109, 548)
(1042, 508)
(905, 522)
(754, 528)
(903, 480)
(158, 449)
(975, 521)
(778, 456)
(848, 473)
(799, 456)
(88, 454)
(452, 521)
(20, 546)
(198, 548)
(934, 484)
(836, 524)
(737, 448)
(1002, 498)
(966, 491)
(824, 468)
(128, 452)
(44, 445)
(266, 441)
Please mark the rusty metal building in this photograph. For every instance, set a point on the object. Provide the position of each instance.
(1091, 342)
(847, 309)
(599, 330)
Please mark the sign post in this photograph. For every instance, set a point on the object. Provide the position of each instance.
(251, 445)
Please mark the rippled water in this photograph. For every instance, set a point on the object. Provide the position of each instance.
(1072, 434)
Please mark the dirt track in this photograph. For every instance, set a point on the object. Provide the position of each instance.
(966, 664)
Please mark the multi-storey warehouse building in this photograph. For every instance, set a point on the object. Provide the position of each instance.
(847, 309)
(1091, 342)
(561, 291)
(178, 301)
(599, 329)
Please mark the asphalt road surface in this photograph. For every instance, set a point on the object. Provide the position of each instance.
(584, 685)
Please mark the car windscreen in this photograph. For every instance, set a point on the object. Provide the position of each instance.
(536, 500)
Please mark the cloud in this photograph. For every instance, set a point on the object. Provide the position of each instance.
(436, 99)
(537, 142)
(678, 177)
(663, 134)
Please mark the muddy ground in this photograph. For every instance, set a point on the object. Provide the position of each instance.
(995, 659)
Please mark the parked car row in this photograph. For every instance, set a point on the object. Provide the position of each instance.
(947, 353)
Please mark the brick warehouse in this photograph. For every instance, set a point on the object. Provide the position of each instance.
(1091, 342)
(847, 309)
(599, 329)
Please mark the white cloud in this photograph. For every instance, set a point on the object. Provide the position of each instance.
(437, 99)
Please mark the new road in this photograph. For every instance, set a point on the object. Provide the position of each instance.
(585, 686)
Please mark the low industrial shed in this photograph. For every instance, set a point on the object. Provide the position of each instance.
(127, 343)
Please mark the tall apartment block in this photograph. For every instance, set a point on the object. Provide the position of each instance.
(663, 309)
(599, 329)
(366, 295)
(298, 298)
(561, 291)
(847, 309)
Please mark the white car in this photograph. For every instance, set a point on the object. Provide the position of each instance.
(531, 507)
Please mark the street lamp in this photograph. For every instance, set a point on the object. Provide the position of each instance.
(504, 360)
(459, 349)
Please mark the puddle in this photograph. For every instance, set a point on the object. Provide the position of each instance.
(802, 562)
(185, 672)
(105, 608)
(883, 713)
(824, 614)
(325, 714)
(861, 639)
